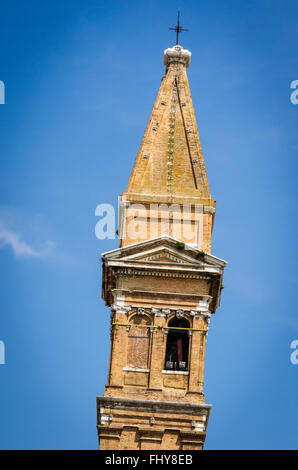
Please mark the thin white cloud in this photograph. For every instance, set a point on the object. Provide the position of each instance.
(19, 247)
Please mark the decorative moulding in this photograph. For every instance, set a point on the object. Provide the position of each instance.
(202, 310)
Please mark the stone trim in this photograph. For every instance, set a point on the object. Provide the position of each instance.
(201, 312)
(144, 405)
(134, 369)
(136, 272)
(175, 372)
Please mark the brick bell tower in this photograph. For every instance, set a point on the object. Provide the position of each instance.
(162, 283)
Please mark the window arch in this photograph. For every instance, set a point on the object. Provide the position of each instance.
(177, 350)
(138, 342)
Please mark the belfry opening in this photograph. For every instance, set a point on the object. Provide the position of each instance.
(177, 345)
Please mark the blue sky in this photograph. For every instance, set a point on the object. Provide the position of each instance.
(80, 79)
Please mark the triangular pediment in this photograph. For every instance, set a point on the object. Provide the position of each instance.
(163, 250)
(163, 254)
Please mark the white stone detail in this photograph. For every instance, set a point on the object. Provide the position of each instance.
(166, 311)
(179, 313)
(198, 426)
(175, 372)
(105, 418)
(120, 308)
(200, 314)
(134, 369)
(177, 54)
(209, 209)
(203, 306)
(157, 312)
(165, 255)
(119, 299)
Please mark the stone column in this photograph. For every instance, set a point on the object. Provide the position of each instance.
(196, 358)
(118, 350)
(202, 355)
(157, 352)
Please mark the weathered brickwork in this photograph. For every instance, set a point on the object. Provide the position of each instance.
(170, 169)
(138, 342)
(150, 425)
(162, 286)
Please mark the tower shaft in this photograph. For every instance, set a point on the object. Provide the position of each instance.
(162, 283)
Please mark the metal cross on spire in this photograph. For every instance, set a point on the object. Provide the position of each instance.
(178, 28)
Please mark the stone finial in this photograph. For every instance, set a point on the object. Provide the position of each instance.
(177, 54)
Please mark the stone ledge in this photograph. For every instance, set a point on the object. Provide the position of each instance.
(177, 406)
(135, 369)
(175, 372)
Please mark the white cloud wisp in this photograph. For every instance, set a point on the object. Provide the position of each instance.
(19, 247)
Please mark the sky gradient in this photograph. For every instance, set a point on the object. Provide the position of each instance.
(80, 80)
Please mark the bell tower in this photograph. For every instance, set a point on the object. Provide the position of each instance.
(162, 284)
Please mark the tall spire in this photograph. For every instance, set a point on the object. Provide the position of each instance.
(169, 168)
(170, 160)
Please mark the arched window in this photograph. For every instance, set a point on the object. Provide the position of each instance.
(138, 342)
(177, 346)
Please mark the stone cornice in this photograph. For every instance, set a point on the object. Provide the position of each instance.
(177, 407)
(161, 273)
(128, 198)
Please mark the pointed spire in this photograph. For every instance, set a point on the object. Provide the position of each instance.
(170, 161)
